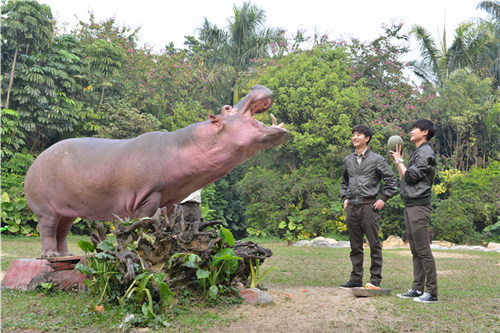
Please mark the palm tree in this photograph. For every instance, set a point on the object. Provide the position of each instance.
(492, 51)
(229, 52)
(438, 63)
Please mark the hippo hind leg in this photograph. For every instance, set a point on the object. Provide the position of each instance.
(62, 234)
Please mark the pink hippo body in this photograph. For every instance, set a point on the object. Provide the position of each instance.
(95, 178)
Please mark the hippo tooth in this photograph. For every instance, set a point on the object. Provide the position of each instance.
(275, 123)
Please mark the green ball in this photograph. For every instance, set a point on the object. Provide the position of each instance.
(393, 141)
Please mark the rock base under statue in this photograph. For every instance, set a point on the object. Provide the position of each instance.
(27, 274)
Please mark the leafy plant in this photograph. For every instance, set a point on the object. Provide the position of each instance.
(12, 214)
(293, 229)
(220, 267)
(102, 267)
(107, 280)
(255, 275)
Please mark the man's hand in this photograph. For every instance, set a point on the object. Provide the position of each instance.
(379, 204)
(396, 154)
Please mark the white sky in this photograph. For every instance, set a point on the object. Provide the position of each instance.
(164, 21)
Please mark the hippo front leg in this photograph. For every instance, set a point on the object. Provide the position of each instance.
(48, 235)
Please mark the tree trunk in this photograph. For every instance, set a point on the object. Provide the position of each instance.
(102, 97)
(11, 80)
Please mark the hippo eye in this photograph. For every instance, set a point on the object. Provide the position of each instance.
(227, 108)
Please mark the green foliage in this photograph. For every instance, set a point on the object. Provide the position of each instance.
(15, 213)
(11, 133)
(255, 275)
(392, 218)
(470, 205)
(226, 203)
(106, 278)
(221, 265)
(124, 122)
(12, 210)
(492, 233)
(464, 105)
(293, 228)
(107, 281)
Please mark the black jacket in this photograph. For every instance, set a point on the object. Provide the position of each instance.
(363, 181)
(417, 181)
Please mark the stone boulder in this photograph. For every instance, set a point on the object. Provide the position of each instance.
(493, 246)
(256, 296)
(323, 242)
(443, 243)
(392, 242)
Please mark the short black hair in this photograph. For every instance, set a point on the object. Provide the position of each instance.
(362, 129)
(425, 125)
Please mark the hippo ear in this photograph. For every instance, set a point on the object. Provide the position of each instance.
(216, 120)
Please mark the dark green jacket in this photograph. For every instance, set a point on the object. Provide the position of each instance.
(363, 181)
(417, 182)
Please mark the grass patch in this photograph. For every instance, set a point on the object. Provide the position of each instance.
(467, 280)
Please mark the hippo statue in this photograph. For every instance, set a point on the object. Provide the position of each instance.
(97, 179)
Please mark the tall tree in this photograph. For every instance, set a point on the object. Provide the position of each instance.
(492, 50)
(26, 25)
(230, 51)
(104, 59)
(439, 62)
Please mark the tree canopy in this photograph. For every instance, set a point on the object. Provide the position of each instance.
(97, 81)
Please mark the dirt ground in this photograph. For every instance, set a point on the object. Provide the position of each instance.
(317, 309)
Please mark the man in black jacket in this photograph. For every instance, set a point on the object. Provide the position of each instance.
(362, 173)
(416, 183)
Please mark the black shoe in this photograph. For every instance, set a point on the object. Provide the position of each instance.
(350, 284)
(376, 284)
(410, 294)
(426, 298)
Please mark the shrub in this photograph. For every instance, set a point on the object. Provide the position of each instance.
(392, 220)
(452, 223)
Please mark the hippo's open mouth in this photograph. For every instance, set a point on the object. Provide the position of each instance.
(261, 106)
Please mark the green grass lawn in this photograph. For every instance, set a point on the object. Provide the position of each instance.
(468, 281)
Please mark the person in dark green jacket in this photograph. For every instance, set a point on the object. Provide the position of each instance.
(416, 183)
(362, 174)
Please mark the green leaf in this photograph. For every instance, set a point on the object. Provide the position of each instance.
(190, 264)
(213, 292)
(104, 256)
(231, 266)
(291, 225)
(282, 225)
(13, 228)
(5, 197)
(85, 270)
(86, 246)
(166, 295)
(106, 245)
(227, 236)
(202, 274)
(20, 203)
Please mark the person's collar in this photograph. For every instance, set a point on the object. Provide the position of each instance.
(362, 154)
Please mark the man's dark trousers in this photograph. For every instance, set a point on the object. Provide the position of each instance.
(364, 219)
(417, 230)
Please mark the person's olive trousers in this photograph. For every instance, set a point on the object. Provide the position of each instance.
(364, 220)
(417, 219)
